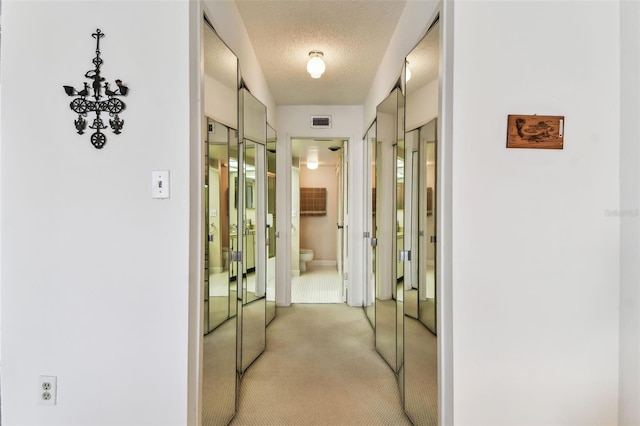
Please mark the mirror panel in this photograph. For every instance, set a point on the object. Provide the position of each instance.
(232, 217)
(411, 222)
(427, 301)
(252, 204)
(420, 327)
(216, 250)
(386, 330)
(401, 239)
(219, 320)
(370, 241)
(271, 224)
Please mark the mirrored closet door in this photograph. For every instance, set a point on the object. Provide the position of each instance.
(220, 81)
(370, 233)
(251, 231)
(389, 270)
(421, 142)
(271, 224)
(217, 295)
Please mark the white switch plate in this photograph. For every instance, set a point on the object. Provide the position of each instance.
(160, 184)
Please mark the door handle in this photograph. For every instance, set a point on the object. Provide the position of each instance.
(340, 226)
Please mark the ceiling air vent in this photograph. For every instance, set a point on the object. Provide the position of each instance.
(320, 121)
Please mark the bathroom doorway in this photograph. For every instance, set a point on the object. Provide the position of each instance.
(318, 220)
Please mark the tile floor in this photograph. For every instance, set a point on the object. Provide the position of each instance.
(318, 284)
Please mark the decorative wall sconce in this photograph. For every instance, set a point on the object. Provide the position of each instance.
(103, 100)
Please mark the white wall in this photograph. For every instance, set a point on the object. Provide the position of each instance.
(293, 122)
(422, 105)
(629, 408)
(535, 256)
(217, 101)
(95, 278)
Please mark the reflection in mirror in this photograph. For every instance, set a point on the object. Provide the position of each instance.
(388, 123)
(412, 209)
(219, 321)
(427, 225)
(400, 242)
(370, 258)
(253, 286)
(421, 364)
(232, 209)
(252, 203)
(271, 223)
(216, 250)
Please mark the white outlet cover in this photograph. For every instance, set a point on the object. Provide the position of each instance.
(48, 390)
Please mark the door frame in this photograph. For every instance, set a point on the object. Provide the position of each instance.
(284, 221)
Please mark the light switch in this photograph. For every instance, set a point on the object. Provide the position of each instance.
(213, 213)
(160, 184)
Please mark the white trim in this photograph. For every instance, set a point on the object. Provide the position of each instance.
(196, 219)
(444, 262)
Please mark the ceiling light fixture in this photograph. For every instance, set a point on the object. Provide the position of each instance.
(312, 159)
(315, 66)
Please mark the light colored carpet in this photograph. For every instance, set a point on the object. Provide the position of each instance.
(421, 373)
(219, 374)
(320, 368)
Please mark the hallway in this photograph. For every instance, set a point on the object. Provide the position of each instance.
(320, 367)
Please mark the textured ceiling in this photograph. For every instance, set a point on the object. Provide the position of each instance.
(423, 60)
(219, 61)
(352, 34)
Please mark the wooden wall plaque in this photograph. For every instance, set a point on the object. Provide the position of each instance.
(535, 131)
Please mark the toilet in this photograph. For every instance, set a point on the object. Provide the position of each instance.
(306, 255)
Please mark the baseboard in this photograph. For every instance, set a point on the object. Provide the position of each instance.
(216, 270)
(295, 272)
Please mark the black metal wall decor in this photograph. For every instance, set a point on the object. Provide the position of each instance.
(97, 98)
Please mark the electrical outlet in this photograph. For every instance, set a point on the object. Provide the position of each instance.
(48, 390)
